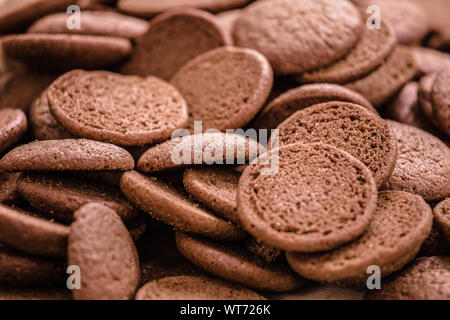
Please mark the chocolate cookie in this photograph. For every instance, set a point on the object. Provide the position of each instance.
(233, 263)
(348, 127)
(198, 149)
(60, 196)
(68, 154)
(401, 223)
(65, 52)
(8, 293)
(31, 234)
(368, 54)
(305, 96)
(165, 203)
(13, 125)
(8, 187)
(425, 279)
(429, 60)
(273, 28)
(194, 288)
(442, 217)
(124, 110)
(423, 164)
(318, 197)
(174, 38)
(100, 23)
(381, 84)
(99, 243)
(425, 88)
(440, 97)
(225, 87)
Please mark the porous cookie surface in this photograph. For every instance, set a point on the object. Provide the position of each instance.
(382, 83)
(60, 196)
(369, 53)
(99, 243)
(166, 204)
(225, 87)
(305, 96)
(102, 23)
(442, 217)
(13, 125)
(299, 35)
(124, 110)
(440, 97)
(349, 127)
(423, 163)
(198, 149)
(401, 223)
(68, 154)
(314, 198)
(174, 38)
(8, 187)
(65, 52)
(194, 288)
(31, 234)
(425, 279)
(233, 263)
(216, 188)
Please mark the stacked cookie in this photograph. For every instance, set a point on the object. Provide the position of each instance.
(213, 154)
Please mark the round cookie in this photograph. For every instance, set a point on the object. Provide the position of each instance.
(425, 88)
(425, 279)
(442, 217)
(199, 149)
(8, 187)
(317, 198)
(174, 38)
(194, 288)
(423, 164)
(305, 96)
(31, 234)
(216, 188)
(401, 223)
(100, 23)
(369, 53)
(68, 154)
(13, 125)
(20, 294)
(109, 107)
(60, 196)
(233, 263)
(99, 243)
(440, 97)
(148, 9)
(348, 127)
(65, 52)
(224, 88)
(429, 60)
(165, 203)
(381, 84)
(329, 30)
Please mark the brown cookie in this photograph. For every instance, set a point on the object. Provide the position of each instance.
(227, 20)
(30, 234)
(159, 268)
(224, 88)
(440, 98)
(348, 127)
(13, 125)
(174, 38)
(425, 279)
(109, 107)
(305, 96)
(148, 9)
(423, 164)
(8, 187)
(165, 203)
(100, 245)
(425, 88)
(60, 196)
(273, 28)
(199, 149)
(382, 83)
(99, 23)
(233, 263)
(401, 223)
(65, 52)
(429, 60)
(216, 188)
(317, 197)
(68, 154)
(368, 54)
(442, 217)
(8, 293)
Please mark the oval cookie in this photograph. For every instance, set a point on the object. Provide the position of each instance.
(13, 125)
(440, 97)
(429, 60)
(442, 217)
(425, 88)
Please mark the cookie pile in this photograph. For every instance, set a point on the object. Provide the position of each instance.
(126, 171)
